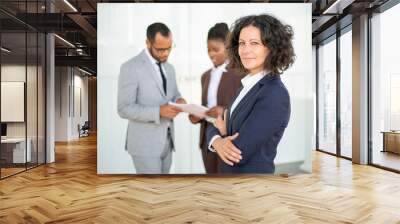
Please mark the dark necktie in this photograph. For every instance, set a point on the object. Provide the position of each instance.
(164, 80)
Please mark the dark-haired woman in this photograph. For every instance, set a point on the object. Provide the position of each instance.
(247, 137)
(219, 85)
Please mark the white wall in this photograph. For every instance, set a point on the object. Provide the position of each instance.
(121, 36)
(61, 103)
(68, 81)
(17, 73)
(33, 127)
(81, 82)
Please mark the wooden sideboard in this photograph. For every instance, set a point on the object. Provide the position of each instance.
(391, 141)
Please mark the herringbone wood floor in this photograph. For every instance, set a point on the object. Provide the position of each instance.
(70, 191)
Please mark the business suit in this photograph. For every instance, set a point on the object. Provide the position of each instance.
(260, 118)
(228, 85)
(140, 94)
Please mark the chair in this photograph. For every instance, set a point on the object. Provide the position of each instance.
(84, 130)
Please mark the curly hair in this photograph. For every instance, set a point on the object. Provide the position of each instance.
(276, 36)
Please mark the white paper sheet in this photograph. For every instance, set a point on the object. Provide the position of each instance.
(196, 110)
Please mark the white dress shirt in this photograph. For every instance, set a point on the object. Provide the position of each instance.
(215, 79)
(155, 66)
(248, 82)
(159, 79)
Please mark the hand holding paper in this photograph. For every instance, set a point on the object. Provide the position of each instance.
(197, 110)
(215, 111)
(169, 111)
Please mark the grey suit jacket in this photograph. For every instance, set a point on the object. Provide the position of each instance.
(140, 94)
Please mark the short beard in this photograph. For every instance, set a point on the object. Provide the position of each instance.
(154, 56)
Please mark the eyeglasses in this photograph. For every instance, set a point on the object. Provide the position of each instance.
(162, 50)
(252, 44)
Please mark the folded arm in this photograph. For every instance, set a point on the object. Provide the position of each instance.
(269, 116)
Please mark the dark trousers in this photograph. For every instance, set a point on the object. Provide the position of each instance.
(210, 160)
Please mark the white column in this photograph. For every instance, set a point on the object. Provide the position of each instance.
(50, 110)
(360, 90)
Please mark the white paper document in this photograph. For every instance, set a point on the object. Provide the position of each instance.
(196, 110)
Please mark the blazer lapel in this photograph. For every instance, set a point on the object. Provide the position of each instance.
(153, 73)
(228, 113)
(247, 99)
(205, 87)
(222, 88)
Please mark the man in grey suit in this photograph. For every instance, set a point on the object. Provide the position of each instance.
(146, 84)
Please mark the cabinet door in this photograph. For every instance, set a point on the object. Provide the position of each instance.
(392, 141)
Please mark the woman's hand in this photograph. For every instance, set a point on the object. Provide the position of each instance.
(181, 101)
(215, 111)
(226, 150)
(194, 119)
(220, 124)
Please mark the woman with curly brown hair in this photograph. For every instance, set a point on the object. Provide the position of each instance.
(246, 138)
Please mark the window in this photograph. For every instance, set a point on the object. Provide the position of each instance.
(327, 97)
(385, 89)
(346, 93)
(22, 77)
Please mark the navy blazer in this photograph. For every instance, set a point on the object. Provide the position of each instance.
(260, 119)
